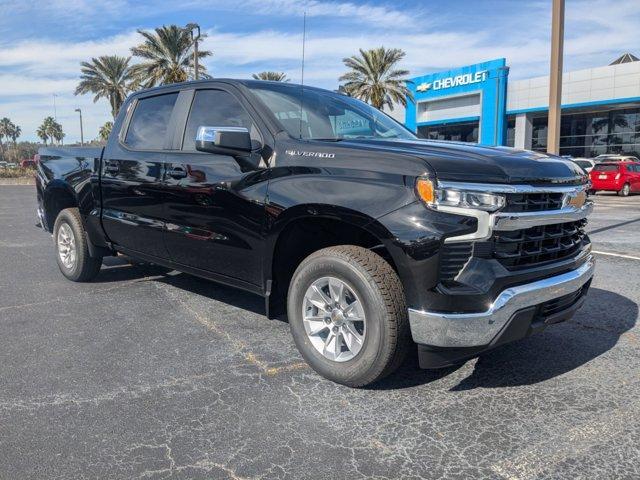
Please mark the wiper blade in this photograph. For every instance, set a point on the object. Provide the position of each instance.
(330, 139)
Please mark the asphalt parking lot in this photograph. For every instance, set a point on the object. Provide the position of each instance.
(152, 374)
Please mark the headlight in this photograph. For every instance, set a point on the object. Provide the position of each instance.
(435, 197)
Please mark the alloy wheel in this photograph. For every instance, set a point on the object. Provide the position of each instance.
(334, 319)
(66, 246)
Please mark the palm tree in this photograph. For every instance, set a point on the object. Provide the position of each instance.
(50, 130)
(272, 76)
(375, 79)
(105, 131)
(16, 131)
(42, 133)
(5, 132)
(56, 132)
(167, 54)
(107, 77)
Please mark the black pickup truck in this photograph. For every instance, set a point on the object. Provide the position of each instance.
(370, 239)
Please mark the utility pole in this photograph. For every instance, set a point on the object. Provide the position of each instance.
(195, 36)
(81, 132)
(555, 83)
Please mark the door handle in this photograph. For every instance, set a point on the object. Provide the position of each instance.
(178, 172)
(112, 168)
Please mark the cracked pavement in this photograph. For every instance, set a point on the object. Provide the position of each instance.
(152, 374)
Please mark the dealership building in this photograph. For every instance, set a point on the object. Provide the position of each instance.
(478, 103)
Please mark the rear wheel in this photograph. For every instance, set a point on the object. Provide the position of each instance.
(348, 316)
(72, 252)
(624, 192)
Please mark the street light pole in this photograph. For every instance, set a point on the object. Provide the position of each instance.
(555, 83)
(81, 132)
(195, 36)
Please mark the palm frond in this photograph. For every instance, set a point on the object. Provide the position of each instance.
(271, 76)
(373, 77)
(107, 77)
(167, 54)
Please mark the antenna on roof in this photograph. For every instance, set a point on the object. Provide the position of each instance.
(304, 41)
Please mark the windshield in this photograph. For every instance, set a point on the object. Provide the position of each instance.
(584, 163)
(323, 115)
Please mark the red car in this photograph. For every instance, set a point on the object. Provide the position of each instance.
(28, 163)
(621, 177)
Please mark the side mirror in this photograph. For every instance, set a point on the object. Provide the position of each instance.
(223, 140)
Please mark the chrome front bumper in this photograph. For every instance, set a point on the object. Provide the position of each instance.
(478, 329)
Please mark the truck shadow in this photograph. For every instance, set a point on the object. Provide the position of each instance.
(217, 292)
(123, 269)
(594, 330)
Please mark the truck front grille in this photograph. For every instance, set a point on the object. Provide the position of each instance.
(538, 245)
(516, 249)
(532, 202)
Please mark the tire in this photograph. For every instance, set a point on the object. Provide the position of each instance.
(624, 192)
(68, 230)
(372, 281)
(591, 192)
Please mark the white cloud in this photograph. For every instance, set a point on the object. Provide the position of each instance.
(31, 71)
(380, 16)
(42, 57)
(28, 112)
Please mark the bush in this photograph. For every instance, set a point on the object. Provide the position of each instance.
(19, 152)
(17, 172)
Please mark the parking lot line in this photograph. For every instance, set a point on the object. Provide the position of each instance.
(616, 255)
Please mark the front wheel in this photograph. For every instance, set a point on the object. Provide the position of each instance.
(624, 192)
(72, 252)
(348, 316)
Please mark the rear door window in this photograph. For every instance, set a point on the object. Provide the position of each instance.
(150, 122)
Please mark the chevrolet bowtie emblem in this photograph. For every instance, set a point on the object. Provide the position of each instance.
(576, 199)
(423, 87)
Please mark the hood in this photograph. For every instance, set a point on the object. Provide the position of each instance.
(465, 162)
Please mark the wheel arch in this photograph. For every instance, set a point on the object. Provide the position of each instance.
(57, 196)
(304, 229)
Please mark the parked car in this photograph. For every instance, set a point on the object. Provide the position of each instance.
(4, 164)
(585, 163)
(11, 165)
(28, 163)
(611, 157)
(621, 177)
(370, 237)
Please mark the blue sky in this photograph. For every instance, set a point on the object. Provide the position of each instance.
(42, 43)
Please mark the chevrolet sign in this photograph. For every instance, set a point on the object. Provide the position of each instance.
(450, 82)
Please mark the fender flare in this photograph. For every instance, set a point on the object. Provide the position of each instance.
(53, 189)
(276, 226)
